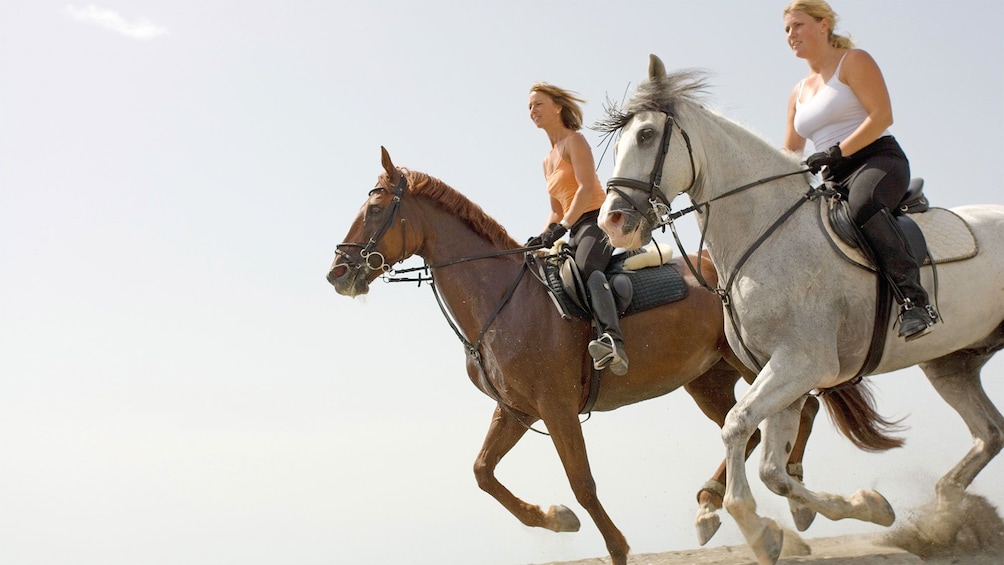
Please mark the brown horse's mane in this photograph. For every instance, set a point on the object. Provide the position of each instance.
(455, 203)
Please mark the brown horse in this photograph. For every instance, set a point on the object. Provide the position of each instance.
(540, 370)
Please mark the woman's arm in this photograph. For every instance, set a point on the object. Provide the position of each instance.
(792, 141)
(862, 74)
(580, 155)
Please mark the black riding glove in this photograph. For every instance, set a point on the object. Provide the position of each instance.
(827, 158)
(548, 236)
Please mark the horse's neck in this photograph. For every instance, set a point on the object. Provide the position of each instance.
(471, 289)
(733, 157)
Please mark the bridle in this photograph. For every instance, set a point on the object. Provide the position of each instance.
(657, 201)
(368, 250)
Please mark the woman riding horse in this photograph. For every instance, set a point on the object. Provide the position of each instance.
(576, 197)
(843, 105)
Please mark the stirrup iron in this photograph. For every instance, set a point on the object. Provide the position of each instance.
(603, 350)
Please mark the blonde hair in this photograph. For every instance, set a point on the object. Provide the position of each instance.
(571, 112)
(819, 10)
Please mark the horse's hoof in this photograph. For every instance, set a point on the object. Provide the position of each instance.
(768, 546)
(803, 517)
(561, 519)
(707, 526)
(879, 510)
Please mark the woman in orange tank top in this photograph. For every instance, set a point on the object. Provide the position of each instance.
(576, 196)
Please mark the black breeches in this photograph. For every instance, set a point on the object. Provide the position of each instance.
(876, 177)
(592, 249)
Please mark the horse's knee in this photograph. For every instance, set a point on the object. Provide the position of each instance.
(585, 493)
(736, 430)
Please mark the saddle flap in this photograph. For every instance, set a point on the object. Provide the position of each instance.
(938, 234)
(571, 281)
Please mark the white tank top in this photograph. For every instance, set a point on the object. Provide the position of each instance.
(831, 115)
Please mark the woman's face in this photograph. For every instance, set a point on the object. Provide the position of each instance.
(543, 111)
(805, 34)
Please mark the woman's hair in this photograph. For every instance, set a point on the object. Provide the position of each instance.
(571, 112)
(819, 10)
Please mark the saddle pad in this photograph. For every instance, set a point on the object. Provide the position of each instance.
(652, 286)
(949, 238)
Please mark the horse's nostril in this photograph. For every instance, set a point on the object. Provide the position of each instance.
(337, 272)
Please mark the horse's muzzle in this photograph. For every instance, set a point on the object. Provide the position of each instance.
(621, 221)
(348, 280)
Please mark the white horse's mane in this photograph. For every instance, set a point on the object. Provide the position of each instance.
(686, 87)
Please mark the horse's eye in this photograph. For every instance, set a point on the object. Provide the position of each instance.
(374, 209)
(645, 134)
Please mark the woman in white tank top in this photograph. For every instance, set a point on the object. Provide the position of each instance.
(842, 106)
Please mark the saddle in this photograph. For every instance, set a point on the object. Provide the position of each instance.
(640, 279)
(936, 234)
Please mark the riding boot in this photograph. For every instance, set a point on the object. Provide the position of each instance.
(895, 257)
(608, 349)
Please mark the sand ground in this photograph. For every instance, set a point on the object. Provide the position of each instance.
(840, 550)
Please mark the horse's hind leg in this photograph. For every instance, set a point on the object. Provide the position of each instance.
(956, 377)
(503, 433)
(801, 514)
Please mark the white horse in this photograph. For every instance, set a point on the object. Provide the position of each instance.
(795, 308)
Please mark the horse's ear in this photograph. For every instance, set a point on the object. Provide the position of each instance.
(656, 70)
(388, 165)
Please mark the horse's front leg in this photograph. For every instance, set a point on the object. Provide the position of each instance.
(503, 433)
(566, 433)
(762, 534)
(714, 394)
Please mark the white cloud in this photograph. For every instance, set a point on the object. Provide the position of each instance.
(110, 19)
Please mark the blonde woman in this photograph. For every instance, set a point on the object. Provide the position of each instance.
(842, 106)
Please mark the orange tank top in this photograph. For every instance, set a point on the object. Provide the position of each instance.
(561, 185)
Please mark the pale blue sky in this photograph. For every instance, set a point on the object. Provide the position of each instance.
(178, 382)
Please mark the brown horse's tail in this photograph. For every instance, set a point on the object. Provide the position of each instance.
(853, 412)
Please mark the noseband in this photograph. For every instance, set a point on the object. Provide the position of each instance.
(368, 250)
(657, 201)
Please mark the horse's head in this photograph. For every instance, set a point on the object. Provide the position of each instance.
(377, 237)
(652, 163)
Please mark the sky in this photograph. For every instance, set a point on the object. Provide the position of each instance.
(179, 383)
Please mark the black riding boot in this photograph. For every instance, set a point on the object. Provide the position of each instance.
(897, 260)
(608, 349)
